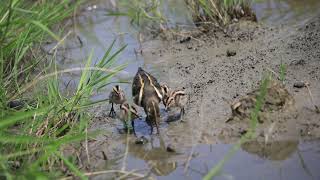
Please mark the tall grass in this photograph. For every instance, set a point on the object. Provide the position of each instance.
(220, 11)
(142, 13)
(33, 136)
(150, 14)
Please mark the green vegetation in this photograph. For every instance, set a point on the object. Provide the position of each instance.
(150, 14)
(283, 70)
(220, 11)
(142, 13)
(42, 120)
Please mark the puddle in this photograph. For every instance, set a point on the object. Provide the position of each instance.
(287, 12)
(279, 160)
(97, 31)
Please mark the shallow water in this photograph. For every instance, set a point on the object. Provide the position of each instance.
(287, 12)
(97, 31)
(279, 160)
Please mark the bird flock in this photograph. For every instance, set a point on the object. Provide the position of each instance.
(148, 94)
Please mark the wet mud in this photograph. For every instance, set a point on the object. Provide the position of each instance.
(218, 69)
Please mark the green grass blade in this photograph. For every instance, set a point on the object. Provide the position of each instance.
(22, 139)
(45, 29)
(253, 123)
(71, 167)
(20, 116)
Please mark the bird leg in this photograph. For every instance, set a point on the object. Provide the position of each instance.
(151, 130)
(112, 113)
(132, 124)
(157, 125)
(182, 112)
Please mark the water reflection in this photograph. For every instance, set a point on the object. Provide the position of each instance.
(277, 150)
(97, 31)
(289, 12)
(155, 155)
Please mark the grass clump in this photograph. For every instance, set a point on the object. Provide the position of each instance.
(142, 13)
(248, 135)
(220, 11)
(37, 120)
(153, 15)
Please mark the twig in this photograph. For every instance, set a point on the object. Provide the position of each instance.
(276, 74)
(60, 42)
(127, 149)
(107, 172)
(311, 98)
(146, 176)
(127, 174)
(87, 149)
(269, 132)
(219, 14)
(189, 159)
(34, 118)
(179, 34)
(35, 81)
(201, 117)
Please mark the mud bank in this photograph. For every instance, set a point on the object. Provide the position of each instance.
(213, 77)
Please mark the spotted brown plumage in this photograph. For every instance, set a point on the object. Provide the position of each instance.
(147, 93)
(176, 98)
(116, 96)
(128, 113)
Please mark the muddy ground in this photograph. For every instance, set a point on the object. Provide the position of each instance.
(214, 79)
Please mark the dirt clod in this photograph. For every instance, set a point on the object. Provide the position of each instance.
(141, 140)
(185, 39)
(231, 52)
(299, 85)
(170, 148)
(277, 98)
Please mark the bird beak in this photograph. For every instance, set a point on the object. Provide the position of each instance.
(166, 109)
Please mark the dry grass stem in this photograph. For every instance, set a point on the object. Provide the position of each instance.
(131, 173)
(40, 78)
(311, 98)
(87, 149)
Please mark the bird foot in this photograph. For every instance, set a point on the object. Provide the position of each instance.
(112, 114)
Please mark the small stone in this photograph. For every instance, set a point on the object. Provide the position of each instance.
(300, 62)
(189, 46)
(231, 52)
(105, 157)
(170, 148)
(185, 39)
(299, 84)
(235, 20)
(141, 140)
(16, 104)
(243, 132)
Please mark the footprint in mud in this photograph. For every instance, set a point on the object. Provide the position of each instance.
(277, 150)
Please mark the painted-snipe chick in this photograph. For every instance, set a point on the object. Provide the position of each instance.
(165, 92)
(116, 96)
(176, 98)
(147, 93)
(128, 113)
